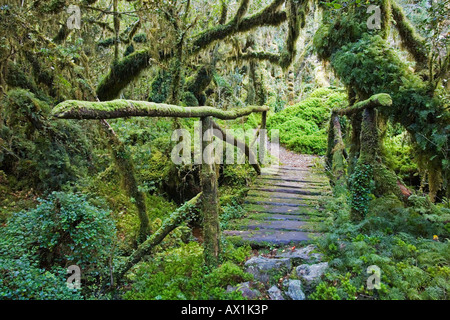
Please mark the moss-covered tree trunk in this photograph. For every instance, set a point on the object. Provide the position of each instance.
(362, 177)
(336, 159)
(210, 200)
(355, 142)
(126, 170)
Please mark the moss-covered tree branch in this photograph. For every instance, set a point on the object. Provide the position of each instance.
(170, 224)
(336, 150)
(125, 108)
(376, 101)
(269, 16)
(122, 73)
(411, 40)
(126, 169)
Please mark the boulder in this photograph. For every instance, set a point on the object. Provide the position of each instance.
(295, 290)
(275, 293)
(264, 268)
(246, 290)
(311, 273)
(301, 255)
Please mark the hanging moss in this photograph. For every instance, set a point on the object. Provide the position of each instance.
(129, 50)
(16, 78)
(62, 34)
(269, 16)
(198, 84)
(160, 87)
(122, 73)
(189, 99)
(106, 43)
(411, 40)
(140, 38)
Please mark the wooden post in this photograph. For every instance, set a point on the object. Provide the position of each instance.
(210, 199)
(338, 166)
(263, 138)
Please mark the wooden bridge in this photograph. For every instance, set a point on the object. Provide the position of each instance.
(281, 208)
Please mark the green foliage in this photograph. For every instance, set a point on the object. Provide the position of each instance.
(409, 245)
(368, 65)
(398, 153)
(179, 274)
(160, 87)
(303, 127)
(121, 74)
(361, 187)
(22, 279)
(37, 245)
(41, 152)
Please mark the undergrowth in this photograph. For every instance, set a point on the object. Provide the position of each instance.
(303, 127)
(411, 246)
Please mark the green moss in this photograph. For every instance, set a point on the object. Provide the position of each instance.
(189, 99)
(122, 73)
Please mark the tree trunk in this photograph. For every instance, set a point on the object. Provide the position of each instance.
(210, 201)
(126, 170)
(338, 167)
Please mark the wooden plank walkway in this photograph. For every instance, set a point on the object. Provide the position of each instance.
(283, 207)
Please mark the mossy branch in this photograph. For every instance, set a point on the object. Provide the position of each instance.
(170, 224)
(125, 108)
(411, 40)
(122, 73)
(258, 56)
(376, 101)
(336, 154)
(269, 16)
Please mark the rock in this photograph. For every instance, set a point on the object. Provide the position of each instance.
(311, 273)
(301, 255)
(295, 290)
(246, 290)
(275, 293)
(264, 268)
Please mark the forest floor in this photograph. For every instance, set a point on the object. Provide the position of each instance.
(283, 207)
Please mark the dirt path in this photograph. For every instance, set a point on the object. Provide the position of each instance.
(283, 206)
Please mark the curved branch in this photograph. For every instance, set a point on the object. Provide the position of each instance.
(125, 108)
(122, 73)
(270, 16)
(376, 101)
(241, 145)
(411, 40)
(170, 224)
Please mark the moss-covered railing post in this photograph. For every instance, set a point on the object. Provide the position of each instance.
(210, 199)
(362, 177)
(336, 150)
(263, 137)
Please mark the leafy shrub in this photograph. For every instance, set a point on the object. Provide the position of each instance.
(180, 274)
(42, 152)
(63, 230)
(303, 127)
(409, 245)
